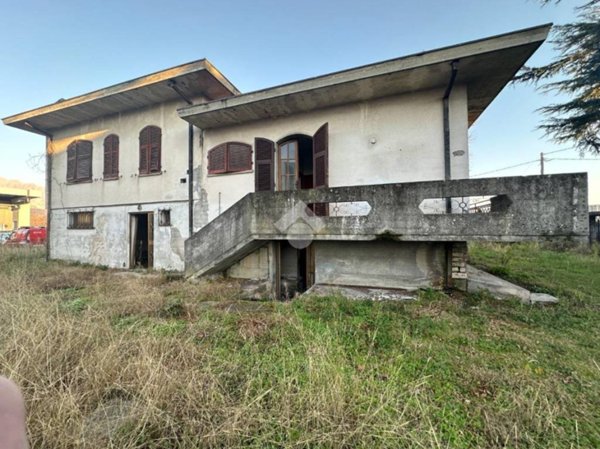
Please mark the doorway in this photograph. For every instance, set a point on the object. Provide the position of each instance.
(295, 162)
(295, 268)
(141, 245)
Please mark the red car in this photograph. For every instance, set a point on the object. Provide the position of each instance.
(28, 236)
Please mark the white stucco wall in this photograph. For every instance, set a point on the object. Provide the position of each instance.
(394, 139)
(113, 200)
(108, 243)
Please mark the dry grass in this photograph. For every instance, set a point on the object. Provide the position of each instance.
(120, 361)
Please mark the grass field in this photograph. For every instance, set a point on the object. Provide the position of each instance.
(113, 360)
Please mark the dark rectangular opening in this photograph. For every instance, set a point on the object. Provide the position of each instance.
(142, 240)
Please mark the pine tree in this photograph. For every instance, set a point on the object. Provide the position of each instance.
(575, 72)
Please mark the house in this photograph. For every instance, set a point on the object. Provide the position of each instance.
(356, 178)
(16, 208)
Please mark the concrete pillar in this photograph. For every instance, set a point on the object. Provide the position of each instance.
(457, 266)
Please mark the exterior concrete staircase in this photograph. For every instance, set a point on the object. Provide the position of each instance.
(521, 208)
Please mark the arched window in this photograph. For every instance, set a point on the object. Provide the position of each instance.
(111, 157)
(230, 157)
(79, 161)
(150, 149)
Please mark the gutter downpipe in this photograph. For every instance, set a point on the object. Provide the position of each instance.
(190, 170)
(447, 162)
(48, 183)
(446, 102)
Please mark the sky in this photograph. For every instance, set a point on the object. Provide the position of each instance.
(62, 48)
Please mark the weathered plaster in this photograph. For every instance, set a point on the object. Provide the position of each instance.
(395, 139)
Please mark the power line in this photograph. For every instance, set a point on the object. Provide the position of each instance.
(541, 160)
(572, 159)
(507, 168)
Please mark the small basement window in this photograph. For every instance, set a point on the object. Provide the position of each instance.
(164, 217)
(230, 157)
(81, 220)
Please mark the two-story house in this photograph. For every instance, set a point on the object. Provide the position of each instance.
(355, 178)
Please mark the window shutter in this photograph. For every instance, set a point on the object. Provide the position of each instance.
(239, 157)
(111, 156)
(217, 159)
(144, 151)
(264, 176)
(155, 149)
(321, 164)
(71, 161)
(84, 160)
(150, 149)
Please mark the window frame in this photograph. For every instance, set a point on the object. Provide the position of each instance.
(280, 160)
(77, 146)
(164, 217)
(109, 176)
(74, 217)
(227, 146)
(145, 145)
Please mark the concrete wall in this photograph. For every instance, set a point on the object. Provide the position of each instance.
(113, 200)
(384, 264)
(407, 132)
(108, 243)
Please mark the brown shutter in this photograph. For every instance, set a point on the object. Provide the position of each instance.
(264, 176)
(71, 161)
(321, 164)
(84, 160)
(144, 147)
(115, 156)
(155, 149)
(111, 156)
(217, 159)
(239, 157)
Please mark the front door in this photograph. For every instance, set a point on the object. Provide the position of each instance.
(141, 243)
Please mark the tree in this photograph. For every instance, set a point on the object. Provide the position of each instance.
(575, 72)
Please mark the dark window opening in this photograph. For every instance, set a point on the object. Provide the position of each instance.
(150, 150)
(230, 157)
(81, 220)
(164, 217)
(79, 161)
(111, 157)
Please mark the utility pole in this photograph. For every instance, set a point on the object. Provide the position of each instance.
(542, 163)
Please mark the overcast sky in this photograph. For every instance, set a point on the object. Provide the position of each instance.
(62, 48)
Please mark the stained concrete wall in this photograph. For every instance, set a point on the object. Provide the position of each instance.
(108, 243)
(395, 139)
(113, 200)
(382, 264)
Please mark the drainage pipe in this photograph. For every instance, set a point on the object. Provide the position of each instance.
(48, 182)
(446, 103)
(447, 162)
(190, 170)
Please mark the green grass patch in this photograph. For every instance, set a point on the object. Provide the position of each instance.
(195, 367)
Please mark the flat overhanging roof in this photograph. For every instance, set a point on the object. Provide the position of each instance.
(191, 80)
(10, 195)
(485, 66)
